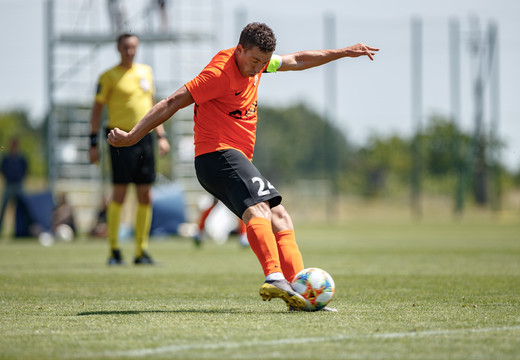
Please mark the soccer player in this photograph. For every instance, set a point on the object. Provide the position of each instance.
(225, 115)
(127, 89)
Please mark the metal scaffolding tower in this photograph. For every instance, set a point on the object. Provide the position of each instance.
(176, 41)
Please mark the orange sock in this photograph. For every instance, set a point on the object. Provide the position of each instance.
(204, 216)
(290, 256)
(263, 243)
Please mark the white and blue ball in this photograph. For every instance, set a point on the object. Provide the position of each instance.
(316, 286)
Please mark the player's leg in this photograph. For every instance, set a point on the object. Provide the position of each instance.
(198, 238)
(291, 259)
(143, 222)
(261, 238)
(143, 175)
(121, 162)
(5, 201)
(233, 179)
(264, 245)
(113, 221)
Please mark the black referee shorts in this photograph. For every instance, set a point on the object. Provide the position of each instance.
(134, 164)
(233, 179)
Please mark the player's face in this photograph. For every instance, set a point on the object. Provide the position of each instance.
(250, 62)
(128, 48)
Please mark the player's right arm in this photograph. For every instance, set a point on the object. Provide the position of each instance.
(308, 59)
(95, 120)
(161, 112)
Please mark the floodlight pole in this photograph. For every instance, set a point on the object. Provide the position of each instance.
(416, 52)
(330, 104)
(49, 37)
(454, 41)
(478, 162)
(494, 105)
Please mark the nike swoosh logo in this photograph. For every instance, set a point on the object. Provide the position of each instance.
(238, 92)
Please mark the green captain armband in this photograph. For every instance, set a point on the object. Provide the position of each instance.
(274, 63)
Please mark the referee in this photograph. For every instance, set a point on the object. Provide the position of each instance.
(128, 92)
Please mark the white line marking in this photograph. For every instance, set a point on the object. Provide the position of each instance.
(233, 345)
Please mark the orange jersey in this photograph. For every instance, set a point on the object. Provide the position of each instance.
(225, 106)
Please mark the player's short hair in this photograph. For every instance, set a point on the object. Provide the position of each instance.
(124, 36)
(258, 34)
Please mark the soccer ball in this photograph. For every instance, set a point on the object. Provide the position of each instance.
(316, 286)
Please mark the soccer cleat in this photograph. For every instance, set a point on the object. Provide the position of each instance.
(115, 259)
(282, 289)
(144, 259)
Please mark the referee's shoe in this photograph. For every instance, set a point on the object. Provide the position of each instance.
(115, 258)
(144, 259)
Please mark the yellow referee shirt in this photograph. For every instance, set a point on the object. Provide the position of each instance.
(128, 94)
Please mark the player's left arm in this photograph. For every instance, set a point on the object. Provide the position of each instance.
(311, 58)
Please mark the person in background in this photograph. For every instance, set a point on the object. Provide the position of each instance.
(225, 116)
(14, 170)
(128, 90)
(198, 238)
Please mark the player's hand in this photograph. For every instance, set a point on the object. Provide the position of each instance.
(93, 154)
(164, 146)
(118, 138)
(361, 50)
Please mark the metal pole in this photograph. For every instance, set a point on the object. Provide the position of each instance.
(49, 21)
(332, 160)
(416, 52)
(330, 70)
(331, 100)
(478, 157)
(454, 37)
(494, 105)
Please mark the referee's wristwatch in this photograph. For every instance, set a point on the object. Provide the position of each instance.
(93, 140)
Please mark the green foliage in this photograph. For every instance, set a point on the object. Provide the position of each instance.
(295, 143)
(446, 148)
(382, 165)
(32, 142)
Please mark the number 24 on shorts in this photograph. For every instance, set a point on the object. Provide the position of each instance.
(262, 189)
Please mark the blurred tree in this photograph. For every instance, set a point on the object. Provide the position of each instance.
(296, 143)
(382, 163)
(516, 178)
(439, 138)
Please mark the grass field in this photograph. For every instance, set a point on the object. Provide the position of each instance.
(404, 291)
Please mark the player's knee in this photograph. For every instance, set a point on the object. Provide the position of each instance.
(281, 220)
(258, 210)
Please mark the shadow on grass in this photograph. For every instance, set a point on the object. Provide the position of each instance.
(138, 312)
